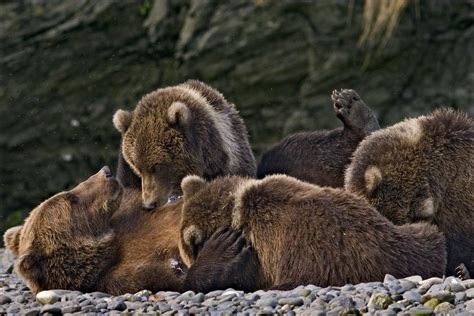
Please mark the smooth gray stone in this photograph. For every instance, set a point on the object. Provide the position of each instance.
(295, 301)
(70, 309)
(470, 293)
(5, 299)
(31, 312)
(412, 296)
(48, 308)
(267, 302)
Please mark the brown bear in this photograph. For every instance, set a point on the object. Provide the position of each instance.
(321, 157)
(185, 129)
(96, 237)
(422, 170)
(303, 233)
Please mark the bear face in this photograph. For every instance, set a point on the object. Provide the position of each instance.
(181, 130)
(201, 206)
(421, 170)
(306, 234)
(67, 239)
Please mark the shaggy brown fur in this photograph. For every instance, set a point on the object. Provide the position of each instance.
(125, 175)
(83, 240)
(305, 234)
(186, 129)
(421, 170)
(321, 157)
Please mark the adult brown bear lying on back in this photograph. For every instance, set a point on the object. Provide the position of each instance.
(96, 237)
(306, 234)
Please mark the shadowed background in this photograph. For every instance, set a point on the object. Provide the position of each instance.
(66, 66)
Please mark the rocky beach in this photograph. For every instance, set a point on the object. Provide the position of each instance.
(409, 296)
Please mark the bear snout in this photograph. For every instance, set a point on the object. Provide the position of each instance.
(149, 205)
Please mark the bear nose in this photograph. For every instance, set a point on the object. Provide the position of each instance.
(106, 171)
(149, 206)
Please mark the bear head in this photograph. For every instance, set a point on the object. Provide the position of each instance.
(206, 207)
(391, 169)
(160, 141)
(66, 240)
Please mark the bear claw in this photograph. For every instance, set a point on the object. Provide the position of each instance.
(344, 98)
(461, 272)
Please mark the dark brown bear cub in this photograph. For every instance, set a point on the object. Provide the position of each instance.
(422, 170)
(321, 157)
(96, 237)
(306, 234)
(185, 129)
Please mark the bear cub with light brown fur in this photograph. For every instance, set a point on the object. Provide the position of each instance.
(306, 234)
(321, 157)
(185, 129)
(96, 237)
(422, 170)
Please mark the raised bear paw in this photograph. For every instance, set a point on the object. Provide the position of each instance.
(353, 112)
(344, 100)
(226, 260)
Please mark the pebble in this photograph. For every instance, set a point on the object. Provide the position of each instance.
(5, 299)
(53, 309)
(295, 301)
(415, 279)
(470, 293)
(379, 301)
(470, 306)
(50, 297)
(408, 296)
(412, 296)
(442, 296)
(266, 302)
(443, 308)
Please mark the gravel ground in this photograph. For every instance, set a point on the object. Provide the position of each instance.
(410, 296)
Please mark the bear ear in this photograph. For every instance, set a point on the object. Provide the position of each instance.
(29, 266)
(179, 114)
(372, 176)
(11, 239)
(122, 120)
(190, 185)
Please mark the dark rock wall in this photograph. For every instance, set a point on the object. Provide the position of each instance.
(66, 66)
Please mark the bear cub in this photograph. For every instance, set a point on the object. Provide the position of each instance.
(175, 131)
(422, 170)
(321, 157)
(306, 234)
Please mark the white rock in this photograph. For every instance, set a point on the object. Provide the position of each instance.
(415, 279)
(50, 296)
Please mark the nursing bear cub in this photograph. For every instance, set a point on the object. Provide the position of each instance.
(422, 170)
(306, 234)
(175, 131)
(96, 237)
